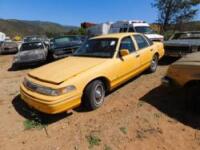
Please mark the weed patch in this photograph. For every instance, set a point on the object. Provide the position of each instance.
(124, 130)
(32, 124)
(93, 140)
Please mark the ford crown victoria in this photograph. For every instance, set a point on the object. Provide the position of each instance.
(98, 66)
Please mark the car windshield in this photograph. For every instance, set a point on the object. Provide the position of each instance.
(31, 46)
(104, 48)
(144, 30)
(32, 39)
(195, 35)
(66, 39)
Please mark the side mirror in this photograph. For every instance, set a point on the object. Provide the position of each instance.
(124, 52)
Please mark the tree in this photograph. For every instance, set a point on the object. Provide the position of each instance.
(175, 11)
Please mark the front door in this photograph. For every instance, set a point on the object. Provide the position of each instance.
(128, 65)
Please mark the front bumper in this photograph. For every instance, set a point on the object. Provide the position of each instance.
(29, 62)
(49, 107)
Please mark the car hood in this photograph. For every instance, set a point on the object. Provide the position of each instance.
(65, 69)
(185, 42)
(191, 59)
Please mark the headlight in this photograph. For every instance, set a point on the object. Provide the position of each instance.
(16, 58)
(194, 49)
(48, 91)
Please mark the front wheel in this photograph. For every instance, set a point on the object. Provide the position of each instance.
(154, 64)
(94, 95)
(193, 98)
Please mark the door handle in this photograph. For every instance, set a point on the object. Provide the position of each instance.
(138, 55)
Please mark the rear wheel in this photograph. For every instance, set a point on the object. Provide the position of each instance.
(154, 64)
(94, 95)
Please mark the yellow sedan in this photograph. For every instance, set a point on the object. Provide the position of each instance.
(99, 66)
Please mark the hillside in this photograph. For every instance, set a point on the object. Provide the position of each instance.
(22, 27)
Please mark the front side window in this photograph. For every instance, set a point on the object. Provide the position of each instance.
(104, 48)
(141, 41)
(127, 43)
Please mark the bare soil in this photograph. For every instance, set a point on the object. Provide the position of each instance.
(140, 115)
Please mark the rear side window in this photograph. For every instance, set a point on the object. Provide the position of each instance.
(127, 43)
(148, 40)
(123, 29)
(131, 29)
(141, 41)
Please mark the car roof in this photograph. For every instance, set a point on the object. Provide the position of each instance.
(115, 35)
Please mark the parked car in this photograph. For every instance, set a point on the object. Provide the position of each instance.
(35, 38)
(64, 46)
(182, 43)
(185, 74)
(99, 66)
(30, 53)
(8, 47)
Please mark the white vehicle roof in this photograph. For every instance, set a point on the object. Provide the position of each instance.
(126, 23)
(2, 36)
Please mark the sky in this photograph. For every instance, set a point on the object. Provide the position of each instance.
(73, 12)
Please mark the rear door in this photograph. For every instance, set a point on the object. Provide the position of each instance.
(145, 50)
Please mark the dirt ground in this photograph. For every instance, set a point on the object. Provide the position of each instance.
(140, 115)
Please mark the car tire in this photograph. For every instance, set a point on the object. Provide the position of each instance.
(193, 98)
(94, 95)
(154, 64)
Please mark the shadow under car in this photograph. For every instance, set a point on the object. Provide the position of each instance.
(31, 114)
(172, 102)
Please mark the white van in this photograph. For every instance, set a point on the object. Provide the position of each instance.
(135, 26)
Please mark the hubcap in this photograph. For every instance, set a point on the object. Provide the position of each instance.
(99, 93)
(154, 63)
